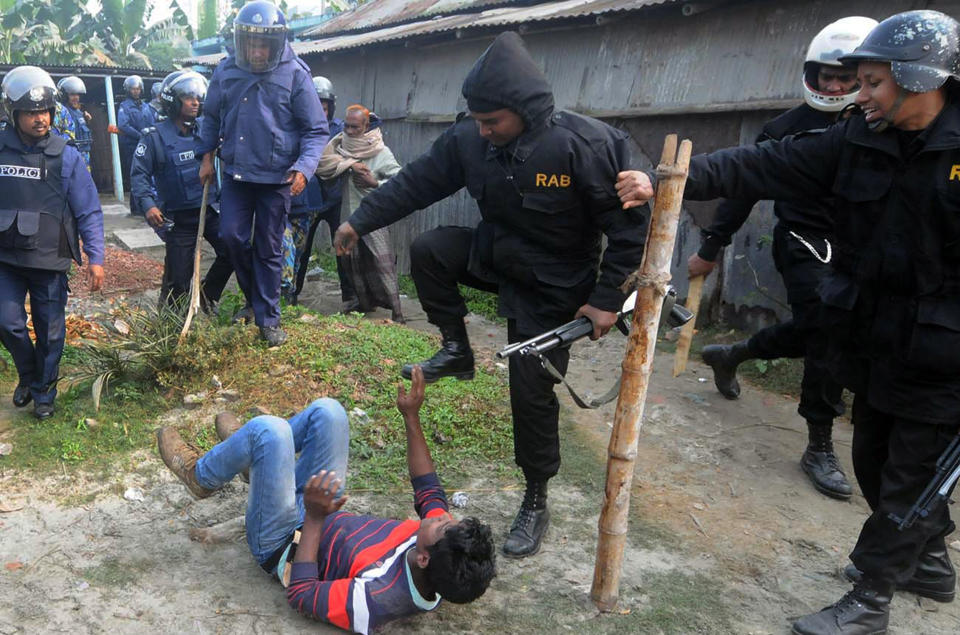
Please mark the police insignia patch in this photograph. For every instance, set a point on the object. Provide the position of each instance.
(141, 150)
(257, 18)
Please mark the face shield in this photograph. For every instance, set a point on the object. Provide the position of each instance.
(258, 49)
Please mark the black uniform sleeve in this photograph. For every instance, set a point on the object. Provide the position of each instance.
(141, 173)
(796, 168)
(626, 230)
(427, 179)
(728, 218)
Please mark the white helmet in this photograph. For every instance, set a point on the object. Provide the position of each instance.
(834, 41)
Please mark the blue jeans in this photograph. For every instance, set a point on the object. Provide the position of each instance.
(267, 445)
(38, 366)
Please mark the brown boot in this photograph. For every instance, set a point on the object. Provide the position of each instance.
(181, 459)
(226, 424)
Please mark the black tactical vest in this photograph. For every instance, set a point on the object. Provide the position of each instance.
(37, 229)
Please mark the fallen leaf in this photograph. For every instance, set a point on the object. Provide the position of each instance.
(16, 565)
(6, 508)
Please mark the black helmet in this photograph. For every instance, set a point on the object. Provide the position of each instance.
(28, 88)
(180, 84)
(259, 21)
(923, 48)
(132, 82)
(71, 85)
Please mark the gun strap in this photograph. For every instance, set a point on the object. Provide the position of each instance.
(589, 404)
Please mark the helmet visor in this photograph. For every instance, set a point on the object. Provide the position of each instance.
(258, 49)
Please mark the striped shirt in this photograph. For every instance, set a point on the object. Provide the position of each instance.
(361, 579)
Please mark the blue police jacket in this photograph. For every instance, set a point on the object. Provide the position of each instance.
(164, 159)
(324, 195)
(270, 123)
(84, 138)
(132, 119)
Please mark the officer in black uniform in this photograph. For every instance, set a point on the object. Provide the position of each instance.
(801, 253)
(544, 183)
(49, 202)
(164, 158)
(891, 301)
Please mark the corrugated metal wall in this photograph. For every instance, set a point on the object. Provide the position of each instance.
(651, 72)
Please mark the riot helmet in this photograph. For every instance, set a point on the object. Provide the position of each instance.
(325, 92)
(155, 90)
(28, 88)
(832, 42)
(132, 82)
(178, 85)
(923, 48)
(260, 36)
(71, 85)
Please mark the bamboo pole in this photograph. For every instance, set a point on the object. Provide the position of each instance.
(195, 283)
(650, 281)
(686, 333)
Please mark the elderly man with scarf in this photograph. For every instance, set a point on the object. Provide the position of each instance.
(360, 159)
(544, 183)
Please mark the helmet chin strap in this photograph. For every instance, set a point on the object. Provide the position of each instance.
(887, 121)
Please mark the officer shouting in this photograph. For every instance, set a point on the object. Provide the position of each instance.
(891, 300)
(164, 158)
(49, 202)
(544, 183)
(263, 105)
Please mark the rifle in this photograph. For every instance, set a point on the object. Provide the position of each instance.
(938, 490)
(672, 314)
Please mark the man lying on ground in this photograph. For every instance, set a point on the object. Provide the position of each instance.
(356, 572)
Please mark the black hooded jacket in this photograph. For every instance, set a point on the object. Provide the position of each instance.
(545, 199)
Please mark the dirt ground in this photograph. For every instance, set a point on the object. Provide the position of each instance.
(726, 536)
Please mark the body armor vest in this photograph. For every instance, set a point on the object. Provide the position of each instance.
(37, 228)
(177, 179)
(84, 138)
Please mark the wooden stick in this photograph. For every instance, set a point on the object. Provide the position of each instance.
(686, 333)
(195, 283)
(651, 280)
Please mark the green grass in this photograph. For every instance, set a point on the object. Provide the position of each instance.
(345, 357)
(482, 303)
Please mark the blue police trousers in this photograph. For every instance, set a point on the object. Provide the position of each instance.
(258, 211)
(37, 365)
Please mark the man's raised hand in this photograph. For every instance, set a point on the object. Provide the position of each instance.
(408, 403)
(634, 188)
(320, 495)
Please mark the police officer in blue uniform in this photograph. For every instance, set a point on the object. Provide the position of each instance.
(166, 184)
(544, 183)
(133, 115)
(890, 301)
(322, 197)
(71, 90)
(49, 202)
(263, 106)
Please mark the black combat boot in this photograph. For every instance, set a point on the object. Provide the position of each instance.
(934, 577)
(863, 611)
(22, 395)
(820, 462)
(454, 359)
(724, 359)
(531, 522)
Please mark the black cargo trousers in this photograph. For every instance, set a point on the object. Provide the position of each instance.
(802, 335)
(438, 263)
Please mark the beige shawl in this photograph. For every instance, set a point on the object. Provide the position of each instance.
(343, 151)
